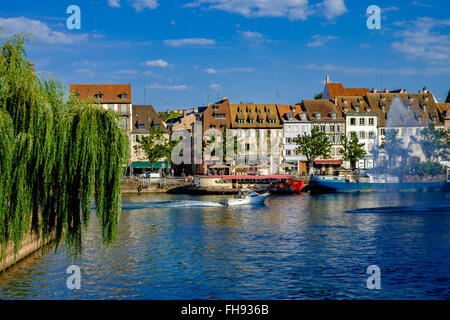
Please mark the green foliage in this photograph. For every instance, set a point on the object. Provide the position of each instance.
(352, 150)
(433, 142)
(172, 115)
(392, 146)
(426, 168)
(313, 146)
(156, 145)
(318, 96)
(55, 154)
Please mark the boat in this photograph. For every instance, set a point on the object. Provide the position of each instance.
(372, 183)
(247, 197)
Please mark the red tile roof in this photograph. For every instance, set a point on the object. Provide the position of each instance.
(111, 92)
(337, 89)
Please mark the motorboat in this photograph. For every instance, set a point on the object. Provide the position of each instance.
(247, 197)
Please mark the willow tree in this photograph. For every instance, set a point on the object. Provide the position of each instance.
(56, 155)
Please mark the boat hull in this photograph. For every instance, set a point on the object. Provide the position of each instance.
(246, 201)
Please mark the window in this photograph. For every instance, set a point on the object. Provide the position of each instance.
(123, 95)
(251, 121)
(332, 128)
(141, 127)
(157, 126)
(123, 108)
(362, 121)
(220, 116)
(371, 121)
(419, 118)
(352, 121)
(362, 135)
(371, 135)
(332, 151)
(383, 132)
(339, 128)
(322, 128)
(241, 121)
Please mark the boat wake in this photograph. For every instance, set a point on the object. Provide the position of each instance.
(405, 209)
(127, 206)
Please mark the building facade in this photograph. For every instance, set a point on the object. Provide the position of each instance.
(144, 117)
(329, 119)
(359, 118)
(295, 123)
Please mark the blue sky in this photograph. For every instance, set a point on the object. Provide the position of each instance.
(186, 53)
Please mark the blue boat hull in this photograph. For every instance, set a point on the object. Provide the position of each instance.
(323, 186)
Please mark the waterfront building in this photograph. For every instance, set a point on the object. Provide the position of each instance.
(217, 116)
(115, 97)
(144, 117)
(251, 124)
(329, 119)
(334, 89)
(185, 121)
(412, 113)
(295, 122)
(361, 119)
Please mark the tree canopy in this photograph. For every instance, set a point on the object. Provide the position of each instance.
(155, 145)
(313, 146)
(434, 142)
(352, 150)
(56, 153)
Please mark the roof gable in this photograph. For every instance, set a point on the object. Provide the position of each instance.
(110, 93)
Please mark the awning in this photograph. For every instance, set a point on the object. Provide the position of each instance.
(148, 165)
(328, 162)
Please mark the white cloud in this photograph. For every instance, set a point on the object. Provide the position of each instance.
(160, 63)
(189, 42)
(210, 71)
(333, 8)
(420, 40)
(320, 40)
(228, 70)
(114, 3)
(388, 9)
(39, 30)
(291, 9)
(140, 5)
(170, 87)
(84, 72)
(215, 86)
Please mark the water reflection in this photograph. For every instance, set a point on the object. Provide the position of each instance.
(294, 247)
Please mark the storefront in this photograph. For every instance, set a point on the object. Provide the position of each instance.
(139, 167)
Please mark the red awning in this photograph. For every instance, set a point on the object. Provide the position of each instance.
(328, 162)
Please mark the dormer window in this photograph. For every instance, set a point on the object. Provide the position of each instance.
(383, 107)
(344, 100)
(293, 109)
(368, 109)
(333, 115)
(433, 118)
(345, 109)
(356, 108)
(99, 96)
(290, 116)
(383, 98)
(318, 115)
(261, 120)
(241, 111)
(123, 95)
(411, 98)
(303, 116)
(419, 118)
(426, 99)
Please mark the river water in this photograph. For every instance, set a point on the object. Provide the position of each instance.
(294, 247)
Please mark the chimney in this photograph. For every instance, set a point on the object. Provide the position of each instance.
(31, 65)
(327, 79)
(374, 90)
(425, 90)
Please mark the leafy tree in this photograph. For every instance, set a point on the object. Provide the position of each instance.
(352, 150)
(392, 146)
(433, 142)
(313, 146)
(156, 145)
(318, 96)
(55, 154)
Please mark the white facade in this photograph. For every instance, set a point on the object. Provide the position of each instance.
(291, 130)
(365, 126)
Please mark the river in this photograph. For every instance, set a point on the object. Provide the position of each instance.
(294, 247)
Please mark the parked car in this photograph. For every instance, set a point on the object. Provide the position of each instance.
(149, 174)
